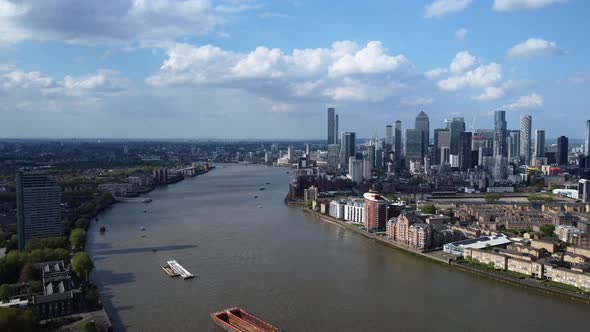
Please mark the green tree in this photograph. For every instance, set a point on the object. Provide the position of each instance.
(17, 320)
(82, 223)
(48, 242)
(87, 327)
(429, 209)
(6, 292)
(82, 265)
(492, 197)
(547, 230)
(77, 238)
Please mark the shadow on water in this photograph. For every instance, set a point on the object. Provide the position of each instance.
(108, 279)
(143, 249)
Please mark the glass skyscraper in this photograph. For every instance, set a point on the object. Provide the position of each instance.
(38, 200)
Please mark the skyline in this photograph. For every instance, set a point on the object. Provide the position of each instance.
(250, 70)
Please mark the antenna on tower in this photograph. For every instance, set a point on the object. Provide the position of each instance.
(473, 123)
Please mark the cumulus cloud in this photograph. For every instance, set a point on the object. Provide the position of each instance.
(440, 8)
(125, 21)
(462, 61)
(534, 47)
(466, 72)
(490, 93)
(512, 5)
(482, 76)
(345, 71)
(24, 80)
(529, 102)
(461, 34)
(415, 102)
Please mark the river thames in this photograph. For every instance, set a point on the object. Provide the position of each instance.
(287, 267)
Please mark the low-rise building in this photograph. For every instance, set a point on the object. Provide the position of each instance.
(566, 233)
(457, 248)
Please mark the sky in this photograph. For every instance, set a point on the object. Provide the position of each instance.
(269, 69)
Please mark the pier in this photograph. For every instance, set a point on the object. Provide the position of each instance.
(179, 269)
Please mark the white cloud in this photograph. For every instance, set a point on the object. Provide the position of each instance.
(415, 102)
(512, 5)
(439, 8)
(345, 71)
(461, 34)
(462, 61)
(369, 60)
(481, 76)
(530, 102)
(282, 108)
(141, 22)
(534, 47)
(490, 93)
(24, 80)
(435, 73)
(579, 78)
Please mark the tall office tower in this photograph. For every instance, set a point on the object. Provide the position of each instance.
(442, 138)
(457, 127)
(423, 124)
(587, 140)
(332, 126)
(500, 134)
(414, 144)
(371, 153)
(398, 145)
(333, 155)
(513, 144)
(388, 138)
(355, 170)
(347, 148)
(465, 151)
(562, 150)
(308, 149)
(445, 155)
(584, 190)
(539, 143)
(336, 130)
(290, 154)
(38, 200)
(525, 138)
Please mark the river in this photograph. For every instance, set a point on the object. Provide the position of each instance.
(287, 267)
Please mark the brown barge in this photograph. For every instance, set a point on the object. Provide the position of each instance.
(169, 271)
(238, 320)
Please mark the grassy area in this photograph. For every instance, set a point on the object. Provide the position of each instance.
(565, 287)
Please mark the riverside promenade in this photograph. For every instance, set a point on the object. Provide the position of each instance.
(451, 261)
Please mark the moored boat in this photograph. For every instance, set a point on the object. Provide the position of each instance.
(238, 320)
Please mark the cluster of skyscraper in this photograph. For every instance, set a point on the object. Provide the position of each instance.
(495, 150)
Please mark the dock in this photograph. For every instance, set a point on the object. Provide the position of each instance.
(179, 269)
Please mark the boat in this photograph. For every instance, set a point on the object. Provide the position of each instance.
(103, 229)
(142, 228)
(267, 183)
(255, 196)
(238, 320)
(170, 271)
(262, 188)
(142, 236)
(259, 206)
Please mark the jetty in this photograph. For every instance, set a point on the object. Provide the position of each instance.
(132, 199)
(179, 269)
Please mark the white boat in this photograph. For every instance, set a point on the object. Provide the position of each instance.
(142, 228)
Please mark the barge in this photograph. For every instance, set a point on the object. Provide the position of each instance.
(169, 271)
(238, 320)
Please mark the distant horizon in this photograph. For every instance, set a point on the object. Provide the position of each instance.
(249, 68)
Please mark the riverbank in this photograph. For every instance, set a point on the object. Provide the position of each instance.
(453, 263)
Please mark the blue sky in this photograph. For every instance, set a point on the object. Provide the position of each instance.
(269, 69)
